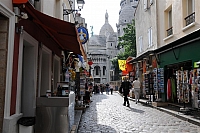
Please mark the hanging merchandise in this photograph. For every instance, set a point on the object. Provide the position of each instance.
(148, 83)
(155, 79)
(182, 86)
(168, 89)
(67, 76)
(173, 90)
(160, 76)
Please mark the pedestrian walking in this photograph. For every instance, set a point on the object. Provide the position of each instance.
(136, 85)
(107, 89)
(125, 88)
(111, 89)
(101, 88)
(95, 89)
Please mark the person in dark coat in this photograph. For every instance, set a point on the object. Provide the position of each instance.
(125, 88)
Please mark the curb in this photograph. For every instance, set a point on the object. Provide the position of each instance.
(77, 118)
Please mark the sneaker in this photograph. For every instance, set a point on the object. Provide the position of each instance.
(124, 104)
(128, 105)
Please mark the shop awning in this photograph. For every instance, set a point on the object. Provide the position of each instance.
(50, 31)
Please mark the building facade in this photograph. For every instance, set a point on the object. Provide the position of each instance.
(32, 55)
(167, 48)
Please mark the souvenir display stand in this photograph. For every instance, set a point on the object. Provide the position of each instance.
(148, 85)
(182, 86)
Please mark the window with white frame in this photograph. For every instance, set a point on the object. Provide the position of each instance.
(150, 38)
(190, 8)
(170, 18)
(140, 43)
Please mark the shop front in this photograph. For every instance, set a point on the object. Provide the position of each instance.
(144, 69)
(39, 84)
(181, 70)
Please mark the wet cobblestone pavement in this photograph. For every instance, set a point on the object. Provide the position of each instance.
(107, 114)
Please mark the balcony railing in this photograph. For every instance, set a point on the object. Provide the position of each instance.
(190, 19)
(169, 31)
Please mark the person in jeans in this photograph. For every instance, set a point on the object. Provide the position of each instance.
(136, 86)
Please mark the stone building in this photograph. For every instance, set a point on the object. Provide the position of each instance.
(101, 49)
(126, 15)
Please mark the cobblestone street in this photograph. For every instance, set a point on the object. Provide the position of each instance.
(107, 114)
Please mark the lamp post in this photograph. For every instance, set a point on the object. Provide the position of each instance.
(80, 4)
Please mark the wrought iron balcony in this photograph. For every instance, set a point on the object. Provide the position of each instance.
(169, 31)
(190, 19)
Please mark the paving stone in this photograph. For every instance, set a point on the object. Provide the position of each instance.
(107, 114)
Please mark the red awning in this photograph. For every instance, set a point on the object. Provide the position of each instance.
(50, 31)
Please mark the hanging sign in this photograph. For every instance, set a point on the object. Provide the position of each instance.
(83, 34)
(122, 64)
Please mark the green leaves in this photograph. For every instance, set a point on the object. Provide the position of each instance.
(128, 41)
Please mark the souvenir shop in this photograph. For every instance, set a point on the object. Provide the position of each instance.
(180, 61)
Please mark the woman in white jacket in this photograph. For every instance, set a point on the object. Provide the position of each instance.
(136, 85)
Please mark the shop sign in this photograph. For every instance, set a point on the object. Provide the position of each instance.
(83, 34)
(196, 64)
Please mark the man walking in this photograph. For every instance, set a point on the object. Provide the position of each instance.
(136, 86)
(125, 88)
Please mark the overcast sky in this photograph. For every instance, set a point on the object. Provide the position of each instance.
(94, 13)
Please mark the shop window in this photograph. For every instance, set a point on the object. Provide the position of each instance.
(56, 71)
(45, 71)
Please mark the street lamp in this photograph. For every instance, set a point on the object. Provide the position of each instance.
(80, 4)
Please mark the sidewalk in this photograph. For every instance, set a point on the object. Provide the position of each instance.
(173, 109)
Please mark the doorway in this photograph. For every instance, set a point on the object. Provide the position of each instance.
(29, 71)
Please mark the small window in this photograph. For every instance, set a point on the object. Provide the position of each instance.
(111, 44)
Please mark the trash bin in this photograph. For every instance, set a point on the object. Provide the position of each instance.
(26, 124)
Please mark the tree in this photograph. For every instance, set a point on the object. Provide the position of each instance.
(128, 42)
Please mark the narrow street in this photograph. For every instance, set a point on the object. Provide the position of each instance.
(107, 114)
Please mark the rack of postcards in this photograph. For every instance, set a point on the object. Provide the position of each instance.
(182, 86)
(148, 83)
(158, 78)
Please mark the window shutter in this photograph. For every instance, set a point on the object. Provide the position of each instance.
(145, 4)
(149, 37)
(151, 43)
(151, 2)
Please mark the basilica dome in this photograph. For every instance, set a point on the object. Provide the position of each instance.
(126, 14)
(106, 29)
